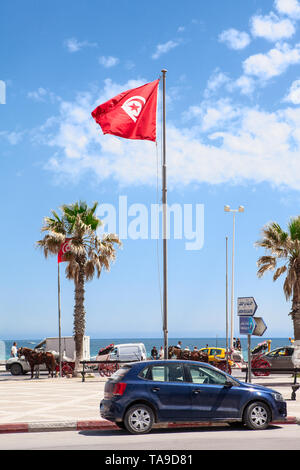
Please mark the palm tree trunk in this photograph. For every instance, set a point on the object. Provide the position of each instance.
(295, 314)
(79, 317)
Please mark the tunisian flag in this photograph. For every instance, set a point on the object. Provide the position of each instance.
(64, 248)
(131, 114)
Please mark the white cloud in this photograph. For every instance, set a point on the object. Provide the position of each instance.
(235, 39)
(109, 61)
(271, 27)
(211, 115)
(12, 137)
(293, 95)
(164, 48)
(273, 63)
(288, 7)
(42, 95)
(245, 84)
(217, 80)
(246, 145)
(73, 45)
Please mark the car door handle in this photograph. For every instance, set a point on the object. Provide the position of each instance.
(196, 392)
(155, 389)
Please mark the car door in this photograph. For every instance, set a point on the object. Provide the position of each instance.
(283, 360)
(169, 391)
(211, 397)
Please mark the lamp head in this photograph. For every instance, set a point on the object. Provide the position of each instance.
(226, 208)
(241, 208)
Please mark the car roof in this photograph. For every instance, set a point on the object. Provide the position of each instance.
(161, 362)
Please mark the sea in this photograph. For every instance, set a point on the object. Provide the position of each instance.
(98, 343)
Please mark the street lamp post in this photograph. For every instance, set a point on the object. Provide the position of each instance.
(234, 211)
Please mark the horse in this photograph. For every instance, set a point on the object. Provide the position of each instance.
(38, 357)
(174, 351)
(187, 355)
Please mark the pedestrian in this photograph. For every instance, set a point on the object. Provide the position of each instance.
(195, 348)
(161, 353)
(154, 353)
(14, 350)
(179, 344)
(238, 344)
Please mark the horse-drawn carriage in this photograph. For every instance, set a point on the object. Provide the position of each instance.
(107, 368)
(176, 353)
(258, 361)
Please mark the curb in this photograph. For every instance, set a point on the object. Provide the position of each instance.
(104, 425)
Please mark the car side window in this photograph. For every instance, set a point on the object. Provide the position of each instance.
(164, 373)
(205, 375)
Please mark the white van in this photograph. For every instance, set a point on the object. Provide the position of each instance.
(126, 352)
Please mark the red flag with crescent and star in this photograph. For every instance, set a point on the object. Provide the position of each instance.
(131, 114)
(64, 248)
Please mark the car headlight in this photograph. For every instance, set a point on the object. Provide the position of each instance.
(278, 396)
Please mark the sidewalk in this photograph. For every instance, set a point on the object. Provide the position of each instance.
(44, 404)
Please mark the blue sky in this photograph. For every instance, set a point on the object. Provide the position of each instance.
(233, 95)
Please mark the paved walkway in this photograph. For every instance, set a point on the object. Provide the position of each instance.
(26, 400)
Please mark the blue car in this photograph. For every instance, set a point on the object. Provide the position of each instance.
(143, 393)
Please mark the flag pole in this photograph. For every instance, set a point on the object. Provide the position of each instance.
(164, 202)
(59, 318)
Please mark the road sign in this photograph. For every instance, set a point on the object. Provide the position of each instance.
(260, 326)
(247, 325)
(246, 306)
(252, 326)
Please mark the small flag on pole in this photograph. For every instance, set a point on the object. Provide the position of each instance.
(131, 114)
(65, 247)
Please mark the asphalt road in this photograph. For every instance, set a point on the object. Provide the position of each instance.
(285, 437)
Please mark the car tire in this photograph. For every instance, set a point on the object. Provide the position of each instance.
(257, 416)
(16, 369)
(139, 419)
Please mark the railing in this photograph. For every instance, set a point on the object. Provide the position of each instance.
(85, 363)
(270, 370)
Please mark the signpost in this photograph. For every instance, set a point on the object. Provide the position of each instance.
(246, 306)
(249, 325)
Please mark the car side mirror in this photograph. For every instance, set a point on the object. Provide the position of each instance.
(228, 384)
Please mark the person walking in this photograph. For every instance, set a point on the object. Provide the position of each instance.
(14, 350)
(161, 353)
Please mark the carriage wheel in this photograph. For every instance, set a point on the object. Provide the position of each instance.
(261, 364)
(223, 366)
(67, 369)
(100, 370)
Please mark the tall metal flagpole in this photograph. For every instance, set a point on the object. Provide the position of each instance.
(164, 202)
(59, 319)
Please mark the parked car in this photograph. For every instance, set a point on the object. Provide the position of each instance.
(214, 353)
(143, 393)
(124, 352)
(280, 358)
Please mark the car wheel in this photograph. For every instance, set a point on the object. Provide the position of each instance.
(139, 419)
(257, 416)
(16, 369)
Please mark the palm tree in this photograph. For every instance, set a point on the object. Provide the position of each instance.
(88, 254)
(284, 248)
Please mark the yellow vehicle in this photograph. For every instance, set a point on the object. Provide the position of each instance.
(215, 354)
